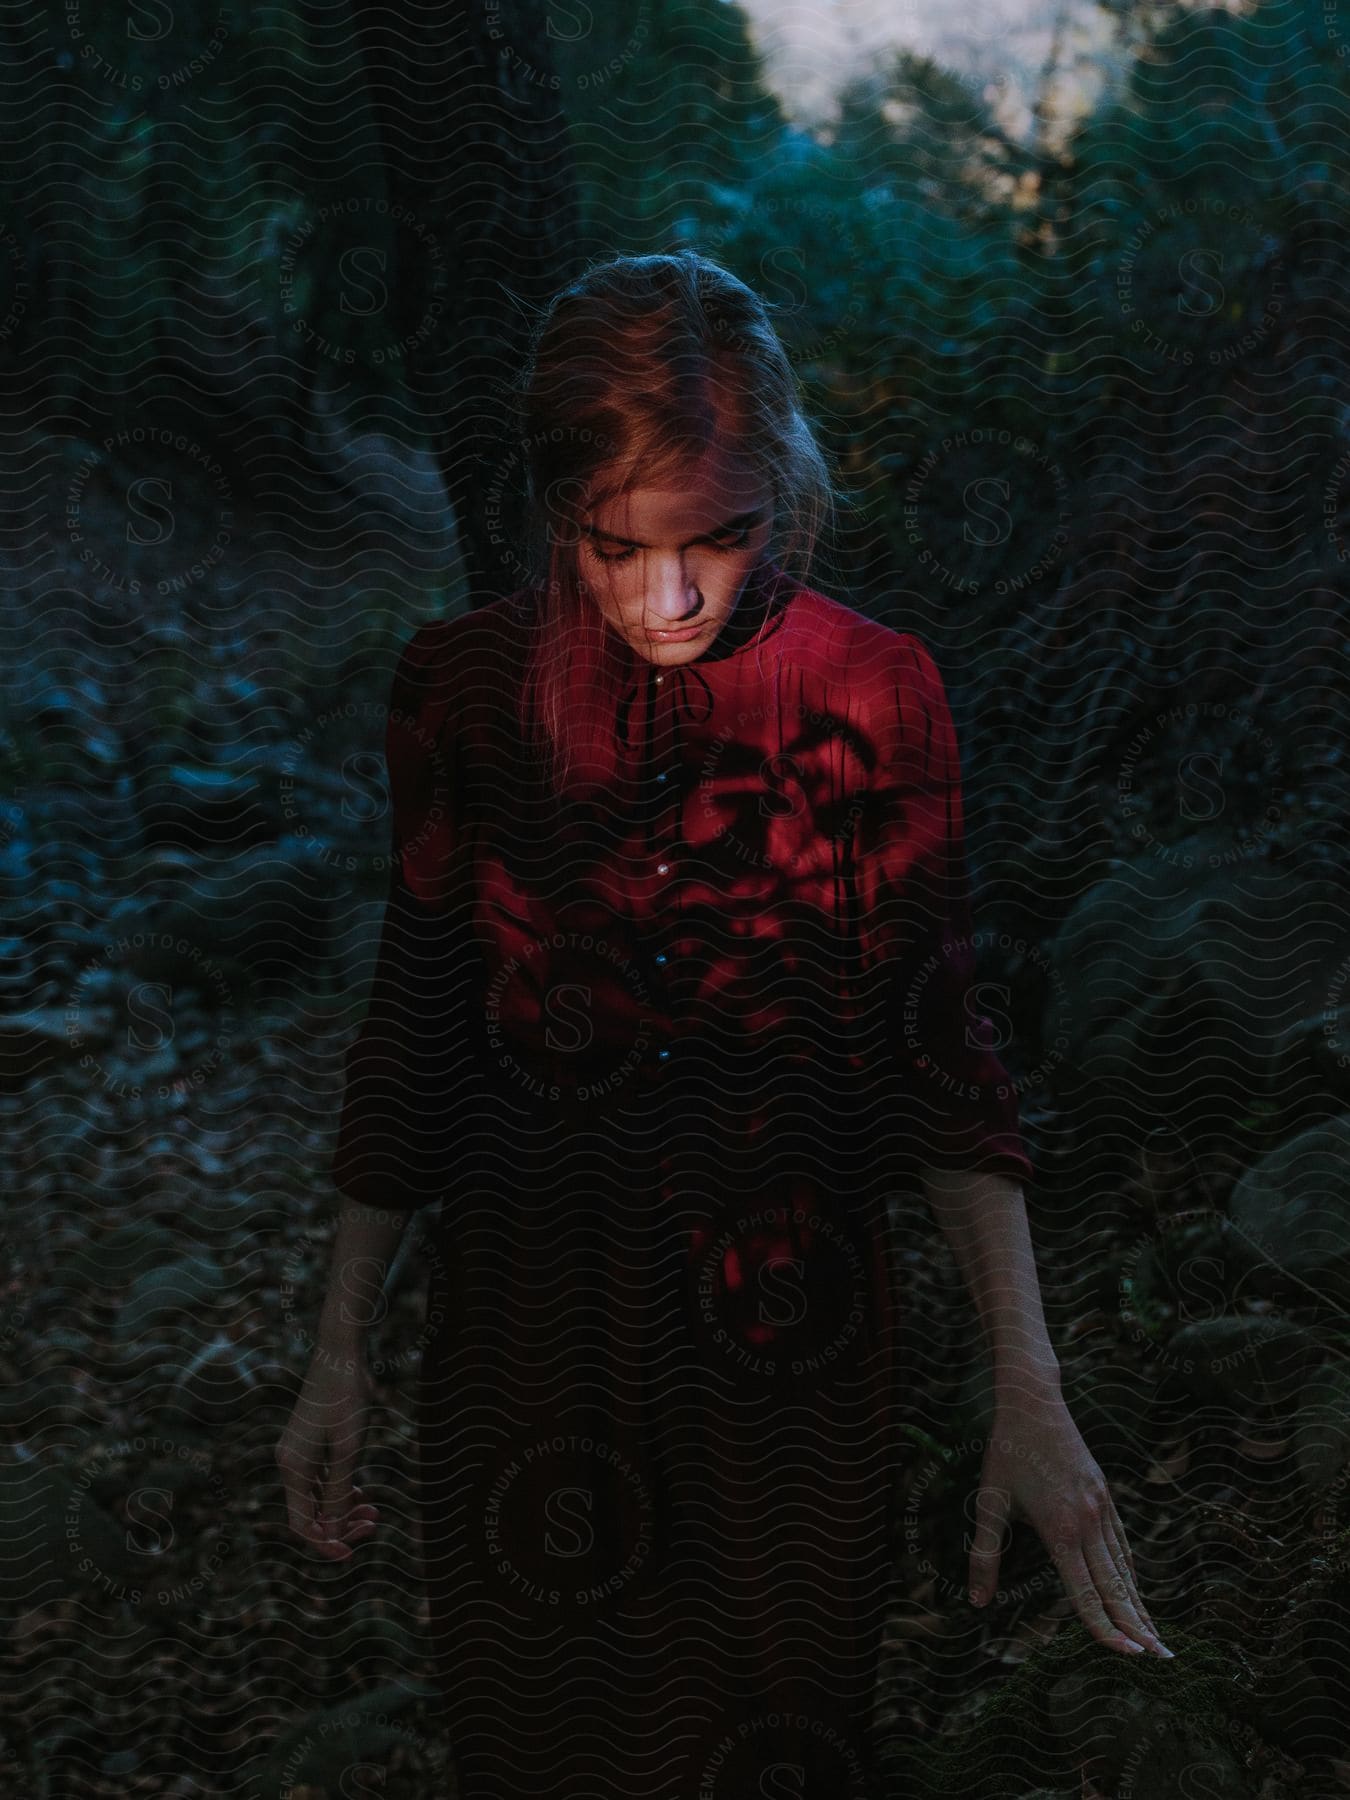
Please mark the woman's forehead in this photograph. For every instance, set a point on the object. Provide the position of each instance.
(712, 491)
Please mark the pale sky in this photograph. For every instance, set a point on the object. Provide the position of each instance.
(810, 46)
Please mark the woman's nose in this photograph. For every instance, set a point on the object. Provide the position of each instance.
(675, 603)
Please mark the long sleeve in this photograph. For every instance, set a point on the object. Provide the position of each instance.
(959, 1107)
(411, 1070)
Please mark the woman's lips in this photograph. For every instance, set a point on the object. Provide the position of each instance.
(675, 637)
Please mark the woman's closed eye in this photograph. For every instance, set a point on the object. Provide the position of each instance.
(736, 542)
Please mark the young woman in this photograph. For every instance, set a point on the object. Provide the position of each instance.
(673, 989)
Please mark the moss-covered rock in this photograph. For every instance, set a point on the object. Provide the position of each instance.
(1294, 1208)
(1179, 980)
(1137, 1719)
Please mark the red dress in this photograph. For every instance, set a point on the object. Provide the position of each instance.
(662, 1059)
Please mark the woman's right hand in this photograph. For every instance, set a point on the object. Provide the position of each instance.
(318, 1453)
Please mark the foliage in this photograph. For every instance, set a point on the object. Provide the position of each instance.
(1087, 406)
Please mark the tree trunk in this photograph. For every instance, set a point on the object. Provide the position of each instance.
(476, 150)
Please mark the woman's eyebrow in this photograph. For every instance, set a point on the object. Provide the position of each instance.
(745, 518)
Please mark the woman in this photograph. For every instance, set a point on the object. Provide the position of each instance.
(672, 990)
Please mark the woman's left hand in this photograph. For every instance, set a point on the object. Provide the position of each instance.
(1038, 1468)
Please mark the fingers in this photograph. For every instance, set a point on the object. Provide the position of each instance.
(336, 1500)
(335, 1536)
(992, 1508)
(1118, 1546)
(335, 1513)
(298, 1475)
(332, 1526)
(1112, 1592)
(1082, 1590)
(1126, 1554)
(318, 1456)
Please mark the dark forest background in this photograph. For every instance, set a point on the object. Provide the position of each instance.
(264, 269)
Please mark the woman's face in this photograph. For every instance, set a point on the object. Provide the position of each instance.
(666, 565)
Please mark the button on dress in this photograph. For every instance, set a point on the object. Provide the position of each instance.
(661, 1056)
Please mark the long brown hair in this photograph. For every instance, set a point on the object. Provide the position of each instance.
(635, 367)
